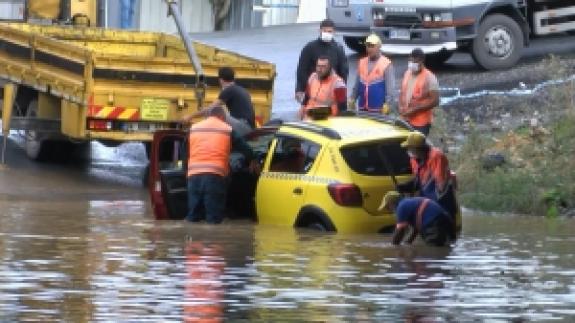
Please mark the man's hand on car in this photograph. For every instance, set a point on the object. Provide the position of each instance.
(255, 167)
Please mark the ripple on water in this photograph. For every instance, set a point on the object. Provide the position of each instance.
(120, 270)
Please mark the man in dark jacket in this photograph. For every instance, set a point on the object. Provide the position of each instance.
(324, 45)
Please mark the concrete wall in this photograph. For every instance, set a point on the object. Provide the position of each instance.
(151, 15)
(196, 14)
(311, 11)
(280, 12)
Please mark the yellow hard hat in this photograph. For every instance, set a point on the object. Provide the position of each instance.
(415, 139)
(373, 39)
(390, 197)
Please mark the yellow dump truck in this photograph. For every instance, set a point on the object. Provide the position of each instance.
(76, 84)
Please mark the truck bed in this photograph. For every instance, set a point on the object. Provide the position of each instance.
(102, 69)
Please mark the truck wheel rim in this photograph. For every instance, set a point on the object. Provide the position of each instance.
(499, 42)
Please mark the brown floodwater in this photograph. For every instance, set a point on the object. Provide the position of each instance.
(77, 258)
(78, 243)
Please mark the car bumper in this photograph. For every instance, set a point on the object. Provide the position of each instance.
(357, 221)
(428, 39)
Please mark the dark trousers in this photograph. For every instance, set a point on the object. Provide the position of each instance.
(440, 232)
(423, 129)
(209, 190)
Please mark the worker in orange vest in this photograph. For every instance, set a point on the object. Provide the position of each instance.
(210, 145)
(375, 83)
(432, 174)
(324, 89)
(419, 93)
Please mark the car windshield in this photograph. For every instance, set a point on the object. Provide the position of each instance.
(377, 158)
(260, 144)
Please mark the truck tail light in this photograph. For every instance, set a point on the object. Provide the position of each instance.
(345, 194)
(102, 125)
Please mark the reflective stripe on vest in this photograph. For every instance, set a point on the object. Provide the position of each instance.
(421, 118)
(321, 93)
(209, 147)
(420, 210)
(367, 78)
(427, 172)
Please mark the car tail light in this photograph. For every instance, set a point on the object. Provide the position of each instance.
(345, 194)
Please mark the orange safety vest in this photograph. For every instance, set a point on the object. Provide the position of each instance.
(209, 147)
(321, 92)
(436, 167)
(421, 118)
(377, 74)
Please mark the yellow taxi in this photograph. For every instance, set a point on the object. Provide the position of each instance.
(329, 174)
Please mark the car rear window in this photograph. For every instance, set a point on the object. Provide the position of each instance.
(377, 158)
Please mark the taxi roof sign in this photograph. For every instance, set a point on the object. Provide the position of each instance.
(319, 113)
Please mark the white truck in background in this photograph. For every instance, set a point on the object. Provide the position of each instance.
(493, 31)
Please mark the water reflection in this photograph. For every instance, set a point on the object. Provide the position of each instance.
(204, 290)
(105, 261)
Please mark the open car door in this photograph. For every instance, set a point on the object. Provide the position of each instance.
(167, 180)
(168, 183)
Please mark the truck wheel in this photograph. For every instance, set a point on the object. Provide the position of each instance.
(437, 59)
(37, 148)
(355, 43)
(498, 44)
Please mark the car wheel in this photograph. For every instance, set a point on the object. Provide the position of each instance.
(318, 226)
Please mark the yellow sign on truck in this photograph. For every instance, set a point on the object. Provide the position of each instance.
(86, 83)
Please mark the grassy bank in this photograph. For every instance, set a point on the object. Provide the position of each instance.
(530, 168)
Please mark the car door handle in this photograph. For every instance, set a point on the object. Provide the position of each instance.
(297, 191)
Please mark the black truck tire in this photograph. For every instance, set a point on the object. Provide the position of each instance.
(37, 148)
(43, 147)
(355, 43)
(499, 43)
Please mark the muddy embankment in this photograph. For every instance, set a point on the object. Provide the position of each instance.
(496, 101)
(509, 135)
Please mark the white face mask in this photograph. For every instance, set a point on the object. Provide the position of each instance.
(326, 37)
(412, 66)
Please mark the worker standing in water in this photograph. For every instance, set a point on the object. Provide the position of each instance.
(210, 144)
(432, 174)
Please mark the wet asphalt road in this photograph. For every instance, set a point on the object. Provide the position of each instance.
(282, 44)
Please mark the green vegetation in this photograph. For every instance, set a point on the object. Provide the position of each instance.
(538, 172)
